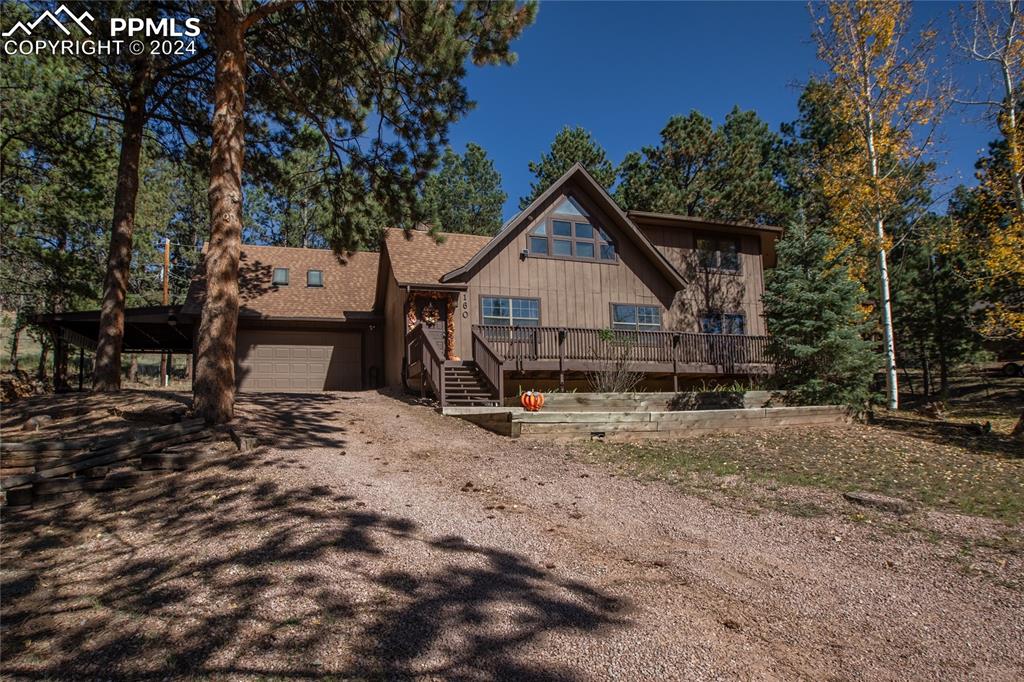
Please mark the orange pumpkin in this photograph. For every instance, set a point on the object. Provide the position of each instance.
(532, 401)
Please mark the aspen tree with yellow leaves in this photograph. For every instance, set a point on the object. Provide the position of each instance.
(879, 76)
(994, 36)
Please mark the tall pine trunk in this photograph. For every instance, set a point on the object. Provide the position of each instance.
(19, 326)
(107, 372)
(44, 350)
(214, 387)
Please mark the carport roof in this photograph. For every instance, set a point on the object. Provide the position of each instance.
(146, 329)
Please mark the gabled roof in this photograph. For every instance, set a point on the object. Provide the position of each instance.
(598, 194)
(349, 284)
(418, 258)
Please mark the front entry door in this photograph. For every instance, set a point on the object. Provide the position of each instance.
(433, 313)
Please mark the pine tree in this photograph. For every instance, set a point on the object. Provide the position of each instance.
(571, 145)
(732, 172)
(381, 82)
(465, 194)
(815, 318)
(57, 165)
(932, 304)
(146, 89)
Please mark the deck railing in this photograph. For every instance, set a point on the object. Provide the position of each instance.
(489, 363)
(422, 351)
(518, 344)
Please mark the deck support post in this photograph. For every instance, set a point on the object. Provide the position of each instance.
(675, 363)
(561, 359)
(81, 367)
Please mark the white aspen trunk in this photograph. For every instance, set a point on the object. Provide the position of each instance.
(891, 386)
(891, 381)
(1012, 141)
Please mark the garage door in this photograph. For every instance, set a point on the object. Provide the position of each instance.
(294, 361)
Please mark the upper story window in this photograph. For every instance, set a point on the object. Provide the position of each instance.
(314, 278)
(636, 317)
(723, 323)
(510, 312)
(719, 253)
(281, 276)
(568, 232)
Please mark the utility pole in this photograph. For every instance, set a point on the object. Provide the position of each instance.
(164, 357)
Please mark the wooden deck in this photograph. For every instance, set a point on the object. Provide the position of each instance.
(561, 350)
(576, 349)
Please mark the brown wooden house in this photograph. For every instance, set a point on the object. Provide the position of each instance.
(568, 285)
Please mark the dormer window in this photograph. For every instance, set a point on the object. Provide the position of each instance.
(281, 276)
(569, 233)
(314, 278)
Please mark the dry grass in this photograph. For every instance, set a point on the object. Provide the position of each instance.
(872, 458)
(947, 465)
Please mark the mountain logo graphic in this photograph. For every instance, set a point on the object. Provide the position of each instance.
(53, 17)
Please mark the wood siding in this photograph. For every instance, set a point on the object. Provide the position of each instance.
(572, 293)
(729, 292)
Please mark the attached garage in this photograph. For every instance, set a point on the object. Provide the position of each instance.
(298, 361)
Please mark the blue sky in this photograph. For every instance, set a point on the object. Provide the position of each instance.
(621, 69)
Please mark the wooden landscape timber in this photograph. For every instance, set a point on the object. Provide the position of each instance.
(640, 425)
(641, 401)
(45, 468)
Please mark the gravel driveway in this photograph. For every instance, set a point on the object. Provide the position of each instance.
(377, 539)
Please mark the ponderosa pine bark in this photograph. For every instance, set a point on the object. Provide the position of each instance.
(214, 387)
(107, 372)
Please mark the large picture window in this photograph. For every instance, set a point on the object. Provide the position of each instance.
(723, 323)
(569, 233)
(510, 312)
(718, 253)
(636, 317)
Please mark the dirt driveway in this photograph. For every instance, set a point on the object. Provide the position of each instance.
(377, 539)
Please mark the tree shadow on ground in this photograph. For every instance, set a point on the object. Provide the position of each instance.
(217, 572)
(293, 421)
(971, 437)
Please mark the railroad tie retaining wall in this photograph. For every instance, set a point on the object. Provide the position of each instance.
(627, 425)
(649, 402)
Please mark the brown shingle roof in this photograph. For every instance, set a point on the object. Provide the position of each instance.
(417, 258)
(349, 283)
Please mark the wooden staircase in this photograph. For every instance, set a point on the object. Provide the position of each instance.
(465, 386)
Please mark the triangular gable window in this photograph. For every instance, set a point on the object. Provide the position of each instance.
(570, 207)
(568, 232)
